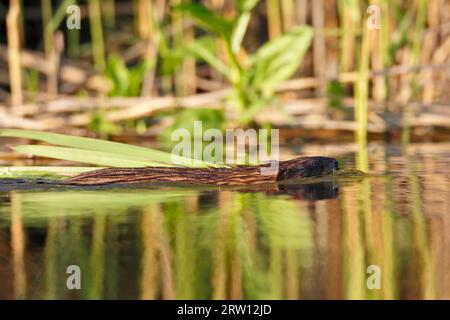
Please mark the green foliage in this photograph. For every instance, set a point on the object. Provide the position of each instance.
(185, 119)
(95, 151)
(31, 78)
(278, 59)
(204, 49)
(87, 156)
(254, 80)
(101, 125)
(206, 18)
(126, 81)
(335, 93)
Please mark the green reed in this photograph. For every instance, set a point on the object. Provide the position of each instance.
(97, 41)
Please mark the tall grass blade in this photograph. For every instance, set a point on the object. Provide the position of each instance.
(113, 148)
(87, 156)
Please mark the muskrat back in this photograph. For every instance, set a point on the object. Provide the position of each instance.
(239, 175)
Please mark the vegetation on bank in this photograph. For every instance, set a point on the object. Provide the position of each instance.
(231, 59)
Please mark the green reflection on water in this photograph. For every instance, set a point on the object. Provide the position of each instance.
(191, 243)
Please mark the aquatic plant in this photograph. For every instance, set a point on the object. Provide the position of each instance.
(97, 152)
(254, 78)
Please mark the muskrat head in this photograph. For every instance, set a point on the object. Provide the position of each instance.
(306, 167)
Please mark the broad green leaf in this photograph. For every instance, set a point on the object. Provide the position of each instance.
(278, 59)
(87, 156)
(206, 18)
(121, 149)
(204, 49)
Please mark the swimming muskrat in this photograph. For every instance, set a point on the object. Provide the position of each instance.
(238, 175)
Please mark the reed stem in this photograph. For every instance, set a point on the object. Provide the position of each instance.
(15, 73)
(98, 47)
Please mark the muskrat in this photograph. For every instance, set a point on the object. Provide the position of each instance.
(238, 175)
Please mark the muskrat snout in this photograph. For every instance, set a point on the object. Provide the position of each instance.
(327, 165)
(334, 165)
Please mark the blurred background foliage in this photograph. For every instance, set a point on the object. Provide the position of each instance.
(223, 56)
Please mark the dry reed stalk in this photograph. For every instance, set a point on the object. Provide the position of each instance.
(219, 255)
(185, 77)
(288, 14)
(301, 11)
(348, 45)
(353, 239)
(378, 53)
(412, 55)
(13, 121)
(18, 247)
(331, 21)
(431, 40)
(146, 30)
(319, 47)
(149, 283)
(165, 256)
(273, 18)
(68, 73)
(15, 76)
(145, 25)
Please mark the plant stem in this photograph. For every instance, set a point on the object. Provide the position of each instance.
(15, 76)
(98, 48)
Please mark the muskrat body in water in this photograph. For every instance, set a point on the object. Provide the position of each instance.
(239, 175)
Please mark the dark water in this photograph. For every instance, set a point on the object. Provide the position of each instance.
(386, 236)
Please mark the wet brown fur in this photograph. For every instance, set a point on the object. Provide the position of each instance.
(239, 175)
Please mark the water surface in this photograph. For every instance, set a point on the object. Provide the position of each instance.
(297, 242)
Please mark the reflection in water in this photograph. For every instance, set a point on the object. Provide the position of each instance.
(311, 191)
(290, 242)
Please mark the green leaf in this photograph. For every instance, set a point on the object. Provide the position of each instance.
(239, 30)
(117, 72)
(206, 18)
(278, 59)
(204, 49)
(241, 23)
(246, 5)
(87, 156)
(145, 154)
(137, 75)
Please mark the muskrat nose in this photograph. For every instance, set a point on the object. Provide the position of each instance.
(335, 165)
